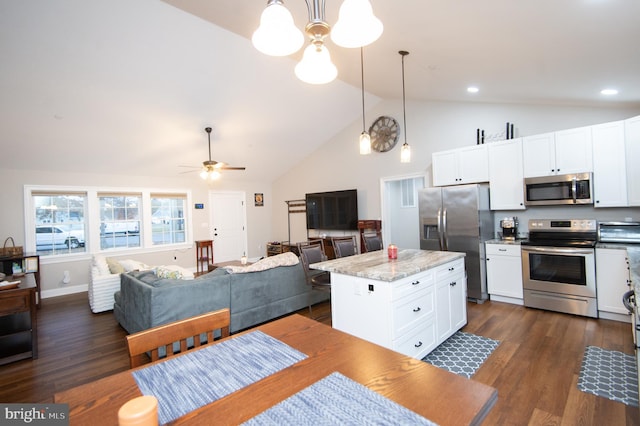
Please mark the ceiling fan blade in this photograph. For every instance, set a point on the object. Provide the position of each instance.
(232, 168)
(188, 171)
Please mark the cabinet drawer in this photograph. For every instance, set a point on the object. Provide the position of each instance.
(15, 303)
(419, 341)
(451, 271)
(415, 283)
(411, 309)
(503, 249)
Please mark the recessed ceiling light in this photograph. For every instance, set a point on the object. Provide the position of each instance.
(609, 92)
(472, 89)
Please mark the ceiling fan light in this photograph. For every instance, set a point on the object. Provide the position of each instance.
(214, 175)
(277, 35)
(316, 66)
(204, 173)
(365, 143)
(357, 26)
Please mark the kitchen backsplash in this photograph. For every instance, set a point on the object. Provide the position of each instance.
(565, 212)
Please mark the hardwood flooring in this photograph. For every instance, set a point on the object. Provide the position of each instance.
(535, 368)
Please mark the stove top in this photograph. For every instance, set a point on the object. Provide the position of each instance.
(562, 233)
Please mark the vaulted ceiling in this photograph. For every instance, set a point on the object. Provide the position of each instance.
(128, 87)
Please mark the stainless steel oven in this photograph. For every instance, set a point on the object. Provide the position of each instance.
(558, 266)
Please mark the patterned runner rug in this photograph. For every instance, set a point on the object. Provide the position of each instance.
(609, 374)
(462, 354)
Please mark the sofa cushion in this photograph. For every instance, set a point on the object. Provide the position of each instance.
(284, 259)
(100, 263)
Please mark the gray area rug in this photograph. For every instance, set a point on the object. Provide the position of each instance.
(462, 354)
(609, 374)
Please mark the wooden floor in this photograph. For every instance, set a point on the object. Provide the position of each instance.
(535, 367)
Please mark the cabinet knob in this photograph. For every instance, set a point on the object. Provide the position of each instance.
(453, 284)
(417, 309)
(451, 269)
(417, 345)
(415, 283)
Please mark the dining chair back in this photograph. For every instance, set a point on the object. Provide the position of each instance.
(372, 242)
(313, 252)
(145, 345)
(344, 246)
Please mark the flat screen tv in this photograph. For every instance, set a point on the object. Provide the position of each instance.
(335, 210)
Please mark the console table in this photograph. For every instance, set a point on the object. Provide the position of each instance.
(18, 323)
(29, 263)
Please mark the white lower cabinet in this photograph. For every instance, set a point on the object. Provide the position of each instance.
(504, 272)
(612, 280)
(409, 315)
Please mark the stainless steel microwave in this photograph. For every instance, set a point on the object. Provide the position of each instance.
(560, 189)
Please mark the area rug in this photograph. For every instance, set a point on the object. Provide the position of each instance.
(462, 354)
(609, 374)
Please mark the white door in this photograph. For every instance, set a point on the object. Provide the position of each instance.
(228, 225)
(400, 217)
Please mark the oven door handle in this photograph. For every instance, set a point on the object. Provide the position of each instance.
(559, 250)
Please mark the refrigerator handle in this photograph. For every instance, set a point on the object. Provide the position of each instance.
(445, 235)
(440, 238)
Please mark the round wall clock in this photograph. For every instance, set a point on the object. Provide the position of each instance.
(384, 133)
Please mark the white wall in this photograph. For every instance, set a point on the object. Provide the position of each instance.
(432, 126)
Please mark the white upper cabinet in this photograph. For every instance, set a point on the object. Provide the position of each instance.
(558, 153)
(506, 175)
(632, 145)
(609, 168)
(460, 166)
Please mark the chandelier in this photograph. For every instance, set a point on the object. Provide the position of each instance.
(277, 35)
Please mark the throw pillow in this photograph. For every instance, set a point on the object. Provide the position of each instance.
(114, 266)
(100, 262)
(173, 271)
(133, 265)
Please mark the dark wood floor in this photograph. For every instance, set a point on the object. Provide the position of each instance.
(535, 368)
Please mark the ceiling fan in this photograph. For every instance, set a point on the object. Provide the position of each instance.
(211, 168)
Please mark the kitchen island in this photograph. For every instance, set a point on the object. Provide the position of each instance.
(410, 304)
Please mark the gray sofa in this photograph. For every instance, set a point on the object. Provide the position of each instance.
(145, 301)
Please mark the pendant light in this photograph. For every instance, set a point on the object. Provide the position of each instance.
(365, 138)
(277, 35)
(405, 152)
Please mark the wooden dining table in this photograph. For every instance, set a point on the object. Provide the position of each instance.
(439, 396)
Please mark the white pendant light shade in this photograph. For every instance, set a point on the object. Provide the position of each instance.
(405, 153)
(357, 26)
(316, 66)
(277, 35)
(365, 143)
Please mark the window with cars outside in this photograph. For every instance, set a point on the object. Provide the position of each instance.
(59, 223)
(119, 220)
(168, 219)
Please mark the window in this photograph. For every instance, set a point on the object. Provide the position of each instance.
(119, 221)
(59, 226)
(75, 221)
(167, 219)
(407, 187)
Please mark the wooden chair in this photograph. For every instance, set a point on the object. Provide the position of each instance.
(164, 336)
(313, 252)
(344, 246)
(372, 242)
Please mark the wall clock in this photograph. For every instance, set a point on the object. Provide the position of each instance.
(384, 133)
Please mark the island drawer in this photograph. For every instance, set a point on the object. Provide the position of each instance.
(451, 271)
(419, 341)
(410, 310)
(415, 283)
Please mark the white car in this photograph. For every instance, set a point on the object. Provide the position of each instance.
(47, 235)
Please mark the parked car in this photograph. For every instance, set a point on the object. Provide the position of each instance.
(47, 235)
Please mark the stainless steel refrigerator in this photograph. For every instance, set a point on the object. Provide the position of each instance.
(458, 218)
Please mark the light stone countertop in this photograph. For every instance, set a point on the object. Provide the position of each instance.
(377, 265)
(508, 242)
(634, 265)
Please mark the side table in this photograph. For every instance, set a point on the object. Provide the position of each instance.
(204, 256)
(18, 323)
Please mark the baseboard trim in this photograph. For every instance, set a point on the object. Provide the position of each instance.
(63, 291)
